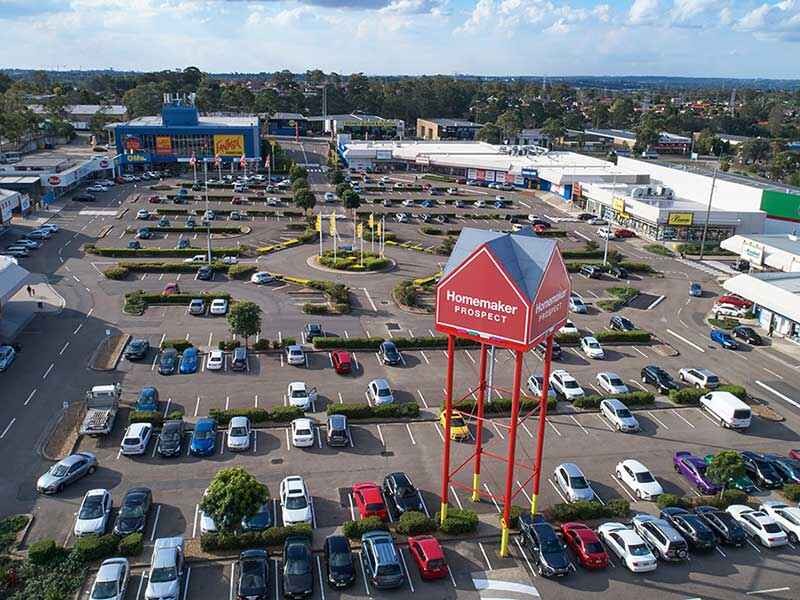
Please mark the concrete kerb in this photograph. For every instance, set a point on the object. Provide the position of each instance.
(117, 353)
(313, 262)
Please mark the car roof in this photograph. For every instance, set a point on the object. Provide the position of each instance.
(634, 465)
(381, 383)
(337, 420)
(238, 422)
(572, 469)
(297, 385)
(337, 542)
(610, 375)
(294, 348)
(205, 424)
(614, 403)
(302, 422)
(430, 545)
(110, 570)
(138, 427)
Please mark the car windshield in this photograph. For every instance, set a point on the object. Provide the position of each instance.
(131, 511)
(594, 548)
(457, 421)
(298, 393)
(170, 435)
(297, 563)
(59, 470)
(388, 570)
(623, 413)
(339, 559)
(638, 550)
(615, 381)
(712, 379)
(644, 477)
(238, 432)
(571, 384)
(252, 579)
(104, 589)
(203, 435)
(384, 392)
(303, 432)
(163, 575)
(92, 508)
(593, 344)
(131, 441)
(578, 483)
(551, 545)
(296, 502)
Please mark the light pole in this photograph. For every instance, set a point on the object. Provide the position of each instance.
(708, 214)
(613, 192)
(208, 222)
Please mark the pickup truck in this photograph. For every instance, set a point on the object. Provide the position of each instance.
(102, 403)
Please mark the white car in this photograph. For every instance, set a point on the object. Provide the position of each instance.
(479, 204)
(207, 524)
(143, 213)
(758, 524)
(618, 415)
(92, 517)
(628, 546)
(568, 328)
(612, 383)
(787, 517)
(380, 392)
(197, 258)
(639, 479)
(299, 395)
(295, 501)
(136, 438)
(500, 198)
(330, 197)
(111, 581)
(215, 360)
(51, 226)
(96, 188)
(219, 306)
(295, 355)
(451, 191)
(408, 202)
(699, 377)
(230, 260)
(535, 384)
(728, 310)
(565, 385)
(576, 304)
(261, 278)
(239, 434)
(591, 347)
(606, 233)
(302, 433)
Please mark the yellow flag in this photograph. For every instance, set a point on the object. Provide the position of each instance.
(360, 229)
(318, 224)
(371, 221)
(379, 229)
(332, 225)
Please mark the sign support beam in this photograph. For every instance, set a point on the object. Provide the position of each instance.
(476, 477)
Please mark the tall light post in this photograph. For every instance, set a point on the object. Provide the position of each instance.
(708, 215)
(613, 193)
(208, 222)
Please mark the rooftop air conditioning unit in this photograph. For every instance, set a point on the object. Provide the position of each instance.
(638, 192)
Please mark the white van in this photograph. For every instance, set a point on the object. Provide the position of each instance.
(728, 409)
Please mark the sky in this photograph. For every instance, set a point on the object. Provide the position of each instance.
(703, 38)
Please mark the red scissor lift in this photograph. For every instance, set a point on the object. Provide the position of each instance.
(507, 291)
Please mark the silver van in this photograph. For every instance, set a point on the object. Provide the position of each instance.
(662, 538)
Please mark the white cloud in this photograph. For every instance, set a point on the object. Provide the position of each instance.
(509, 15)
(481, 12)
(643, 11)
(773, 21)
(684, 10)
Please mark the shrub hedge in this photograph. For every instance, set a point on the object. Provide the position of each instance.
(436, 341)
(42, 552)
(166, 252)
(585, 510)
(241, 271)
(179, 345)
(415, 523)
(692, 395)
(609, 336)
(355, 529)
(636, 398)
(458, 521)
(278, 414)
(146, 416)
(274, 536)
(636, 267)
(722, 501)
(499, 406)
(360, 410)
(791, 491)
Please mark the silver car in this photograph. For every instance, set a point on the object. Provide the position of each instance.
(618, 415)
(572, 482)
(92, 517)
(166, 569)
(111, 581)
(65, 471)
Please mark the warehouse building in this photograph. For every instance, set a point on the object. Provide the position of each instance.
(447, 129)
(287, 124)
(622, 139)
(361, 126)
(80, 115)
(180, 133)
(57, 175)
(776, 300)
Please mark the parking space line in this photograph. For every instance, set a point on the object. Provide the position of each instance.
(624, 489)
(497, 429)
(408, 428)
(439, 431)
(196, 514)
(677, 414)
(525, 556)
(46, 373)
(363, 577)
(288, 444)
(586, 431)
(380, 435)
(407, 572)
(197, 406)
(553, 427)
(30, 396)
(425, 357)
(485, 556)
(458, 500)
(453, 579)
(778, 394)
(255, 401)
(656, 419)
(756, 548)
(528, 431)
(634, 382)
(321, 582)
(683, 339)
(642, 354)
(491, 497)
(421, 397)
(706, 416)
(604, 422)
(770, 591)
(524, 493)
(773, 373)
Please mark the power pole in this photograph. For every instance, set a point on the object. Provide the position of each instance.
(708, 214)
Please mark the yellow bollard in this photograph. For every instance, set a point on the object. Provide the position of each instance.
(476, 483)
(533, 504)
(503, 539)
(442, 513)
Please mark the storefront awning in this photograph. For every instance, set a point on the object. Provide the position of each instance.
(778, 292)
(12, 276)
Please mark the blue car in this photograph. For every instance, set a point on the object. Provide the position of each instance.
(695, 290)
(204, 437)
(426, 204)
(148, 399)
(724, 339)
(188, 362)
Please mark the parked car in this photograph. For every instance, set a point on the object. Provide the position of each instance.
(313, 330)
(337, 433)
(342, 362)
(565, 385)
(171, 289)
(298, 573)
(239, 434)
(536, 384)
(572, 482)
(379, 392)
(612, 383)
(111, 580)
(787, 517)
(143, 214)
(339, 562)
(261, 278)
(639, 479)
(724, 526)
(662, 538)
(133, 511)
(592, 348)
(197, 306)
(548, 554)
(724, 339)
(400, 494)
(295, 501)
(380, 560)
(618, 415)
(204, 437)
(300, 395)
(428, 555)
(659, 378)
(585, 544)
(66, 471)
(628, 546)
(541, 350)
(758, 525)
(7, 355)
(219, 306)
(253, 581)
(302, 433)
(459, 430)
(389, 353)
(787, 468)
(761, 470)
(170, 440)
(215, 360)
(568, 328)
(239, 359)
(188, 362)
(206, 273)
(727, 310)
(260, 521)
(168, 361)
(699, 378)
(693, 469)
(695, 289)
(620, 323)
(144, 233)
(94, 512)
(734, 300)
(622, 232)
(368, 500)
(748, 334)
(136, 439)
(576, 304)
(295, 355)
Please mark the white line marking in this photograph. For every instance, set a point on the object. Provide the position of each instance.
(458, 500)
(421, 397)
(196, 515)
(46, 373)
(492, 498)
(366, 292)
(186, 583)
(485, 557)
(655, 302)
(642, 354)
(8, 427)
(778, 394)
(31, 395)
(624, 489)
(407, 572)
(604, 422)
(408, 428)
(380, 435)
(553, 427)
(579, 234)
(781, 589)
(525, 556)
(683, 339)
(579, 425)
(424, 356)
(77, 329)
(656, 419)
(677, 414)
(155, 523)
(773, 373)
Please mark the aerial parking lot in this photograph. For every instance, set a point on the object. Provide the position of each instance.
(52, 369)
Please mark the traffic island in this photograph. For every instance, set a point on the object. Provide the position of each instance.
(351, 262)
(107, 354)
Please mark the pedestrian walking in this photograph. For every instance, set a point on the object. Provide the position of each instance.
(30, 291)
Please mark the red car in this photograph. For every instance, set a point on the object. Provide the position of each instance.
(154, 200)
(795, 454)
(735, 300)
(585, 544)
(369, 501)
(621, 232)
(341, 362)
(539, 229)
(429, 556)
(170, 289)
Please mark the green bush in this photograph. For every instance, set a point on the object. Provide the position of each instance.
(665, 500)
(622, 292)
(136, 302)
(360, 410)
(284, 414)
(42, 552)
(146, 416)
(610, 305)
(261, 344)
(659, 249)
(179, 345)
(721, 502)
(164, 267)
(131, 545)
(609, 336)
(116, 273)
(311, 308)
(352, 343)
(279, 414)
(355, 529)
(692, 395)
(430, 230)
(415, 523)
(228, 345)
(570, 338)
(791, 492)
(458, 521)
(635, 398)
(96, 547)
(724, 323)
(175, 415)
(241, 271)
(406, 293)
(274, 536)
(636, 267)
(9, 528)
(166, 252)
(711, 248)
(585, 510)
(499, 406)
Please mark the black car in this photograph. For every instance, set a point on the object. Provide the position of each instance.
(401, 493)
(137, 349)
(691, 527)
(540, 222)
(621, 323)
(313, 330)
(389, 353)
(658, 378)
(339, 562)
(170, 440)
(761, 470)
(787, 468)
(182, 243)
(260, 521)
(548, 553)
(586, 216)
(253, 575)
(722, 523)
(205, 273)
(134, 245)
(541, 350)
(84, 198)
(748, 334)
(298, 577)
(133, 511)
(168, 362)
(618, 272)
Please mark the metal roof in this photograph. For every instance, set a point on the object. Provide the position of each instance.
(524, 257)
(452, 122)
(778, 292)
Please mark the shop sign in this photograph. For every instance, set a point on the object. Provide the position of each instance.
(577, 190)
(104, 164)
(229, 145)
(618, 204)
(163, 145)
(480, 174)
(24, 203)
(753, 252)
(138, 157)
(132, 143)
(54, 180)
(680, 219)
(528, 172)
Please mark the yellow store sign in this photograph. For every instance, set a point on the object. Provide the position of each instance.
(680, 219)
(229, 145)
(618, 204)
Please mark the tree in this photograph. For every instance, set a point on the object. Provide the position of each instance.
(305, 199)
(754, 150)
(553, 128)
(299, 184)
(297, 172)
(775, 120)
(233, 495)
(244, 319)
(490, 133)
(510, 122)
(724, 467)
(646, 135)
(336, 176)
(342, 189)
(621, 112)
(350, 199)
